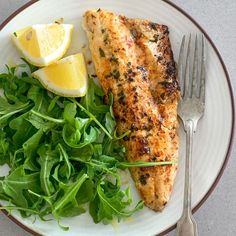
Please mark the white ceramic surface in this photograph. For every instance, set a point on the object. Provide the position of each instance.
(210, 142)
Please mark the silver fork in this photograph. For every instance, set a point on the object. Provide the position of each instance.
(191, 75)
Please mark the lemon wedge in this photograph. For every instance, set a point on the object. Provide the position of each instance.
(67, 77)
(43, 44)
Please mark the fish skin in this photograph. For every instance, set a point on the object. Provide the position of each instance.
(138, 68)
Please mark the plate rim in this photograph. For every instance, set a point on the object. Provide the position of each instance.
(231, 141)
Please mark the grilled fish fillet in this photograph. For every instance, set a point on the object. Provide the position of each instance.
(134, 61)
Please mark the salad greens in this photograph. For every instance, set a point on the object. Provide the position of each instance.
(63, 153)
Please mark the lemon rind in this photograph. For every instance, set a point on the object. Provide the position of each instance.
(50, 59)
(79, 92)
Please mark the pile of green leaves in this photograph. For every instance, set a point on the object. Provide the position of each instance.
(63, 153)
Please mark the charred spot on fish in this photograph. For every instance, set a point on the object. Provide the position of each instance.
(154, 158)
(171, 69)
(142, 180)
(141, 68)
(103, 31)
(99, 9)
(105, 40)
(143, 71)
(159, 58)
(126, 138)
(122, 98)
(143, 114)
(145, 150)
(134, 33)
(116, 74)
(131, 79)
(123, 120)
(133, 137)
(143, 141)
(125, 75)
(171, 86)
(129, 71)
(135, 98)
(101, 52)
(114, 59)
(117, 117)
(133, 127)
(147, 127)
(134, 89)
(89, 62)
(94, 75)
(165, 29)
(162, 96)
(150, 120)
(172, 135)
(108, 76)
(155, 38)
(153, 25)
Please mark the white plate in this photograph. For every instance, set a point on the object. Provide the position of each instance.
(211, 142)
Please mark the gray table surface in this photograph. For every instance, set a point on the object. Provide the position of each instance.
(217, 217)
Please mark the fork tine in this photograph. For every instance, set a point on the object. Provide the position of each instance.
(194, 74)
(181, 67)
(202, 72)
(187, 69)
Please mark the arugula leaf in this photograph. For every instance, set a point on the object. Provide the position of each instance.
(32, 143)
(67, 168)
(10, 110)
(47, 160)
(4, 147)
(53, 103)
(69, 113)
(111, 201)
(18, 181)
(68, 199)
(110, 123)
(39, 123)
(92, 117)
(39, 97)
(73, 138)
(92, 100)
(24, 130)
(86, 192)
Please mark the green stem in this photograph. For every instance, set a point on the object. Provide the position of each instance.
(98, 165)
(10, 208)
(145, 164)
(57, 121)
(6, 116)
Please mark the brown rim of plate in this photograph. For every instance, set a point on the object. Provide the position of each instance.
(232, 106)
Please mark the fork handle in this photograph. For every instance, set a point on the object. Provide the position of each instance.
(187, 226)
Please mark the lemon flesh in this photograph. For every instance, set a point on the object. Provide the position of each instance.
(43, 44)
(67, 77)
